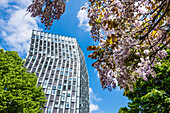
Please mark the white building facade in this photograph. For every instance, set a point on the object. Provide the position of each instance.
(59, 64)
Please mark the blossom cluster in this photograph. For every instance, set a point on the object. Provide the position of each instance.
(47, 10)
(133, 40)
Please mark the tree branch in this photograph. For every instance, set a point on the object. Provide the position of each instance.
(158, 50)
(166, 9)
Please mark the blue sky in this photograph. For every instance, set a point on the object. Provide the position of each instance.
(15, 32)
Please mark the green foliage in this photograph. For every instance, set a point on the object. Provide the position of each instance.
(152, 96)
(18, 90)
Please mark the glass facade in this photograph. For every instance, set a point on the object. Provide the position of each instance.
(59, 64)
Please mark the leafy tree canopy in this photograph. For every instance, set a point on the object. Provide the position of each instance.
(131, 35)
(18, 90)
(152, 96)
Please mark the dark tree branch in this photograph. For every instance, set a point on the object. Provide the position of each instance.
(159, 40)
(166, 9)
(153, 20)
(146, 14)
(154, 53)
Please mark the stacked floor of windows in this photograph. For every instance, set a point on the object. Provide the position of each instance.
(59, 64)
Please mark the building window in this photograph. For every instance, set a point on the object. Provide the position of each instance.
(69, 87)
(73, 100)
(33, 37)
(48, 91)
(45, 81)
(58, 68)
(44, 85)
(62, 105)
(29, 57)
(71, 70)
(45, 34)
(73, 94)
(59, 86)
(62, 73)
(68, 94)
(74, 83)
(63, 94)
(50, 104)
(68, 99)
(65, 81)
(66, 111)
(42, 33)
(56, 105)
(64, 87)
(41, 79)
(54, 68)
(62, 69)
(54, 87)
(34, 57)
(54, 91)
(49, 86)
(55, 111)
(58, 92)
(49, 35)
(72, 105)
(72, 111)
(57, 98)
(52, 97)
(67, 105)
(56, 36)
(63, 98)
(49, 110)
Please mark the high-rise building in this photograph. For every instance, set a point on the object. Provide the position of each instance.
(59, 64)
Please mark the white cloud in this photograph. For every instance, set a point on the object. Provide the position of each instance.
(93, 96)
(83, 19)
(90, 90)
(93, 107)
(95, 71)
(21, 3)
(17, 31)
(101, 112)
(16, 28)
(4, 3)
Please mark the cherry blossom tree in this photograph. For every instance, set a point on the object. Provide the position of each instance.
(47, 10)
(132, 35)
(152, 95)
